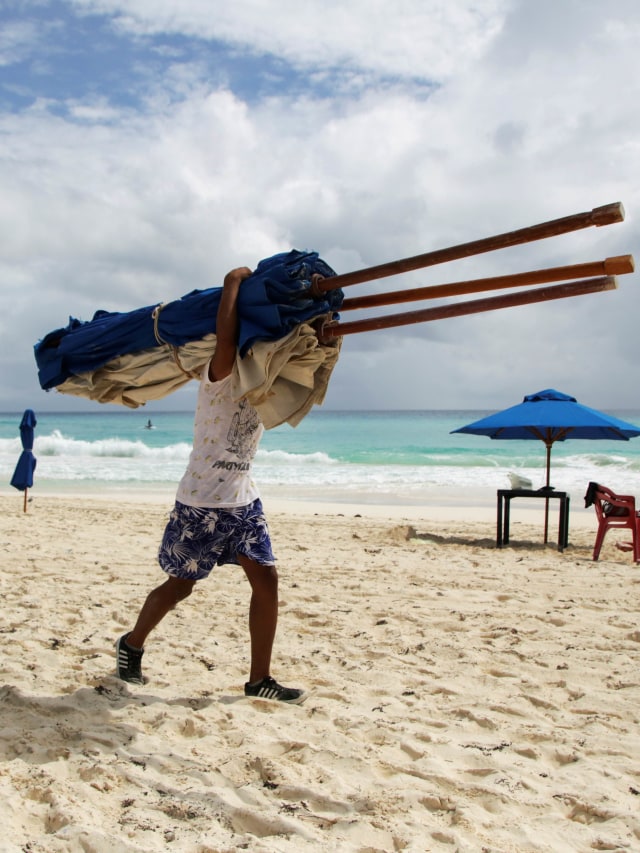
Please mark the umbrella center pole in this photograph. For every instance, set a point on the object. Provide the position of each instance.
(546, 500)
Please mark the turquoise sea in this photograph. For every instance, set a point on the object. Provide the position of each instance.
(403, 457)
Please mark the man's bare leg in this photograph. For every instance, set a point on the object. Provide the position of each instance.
(263, 615)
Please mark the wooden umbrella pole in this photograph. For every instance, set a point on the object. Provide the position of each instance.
(24, 506)
(618, 265)
(490, 303)
(599, 216)
(546, 502)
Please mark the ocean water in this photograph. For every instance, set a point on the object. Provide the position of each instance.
(403, 457)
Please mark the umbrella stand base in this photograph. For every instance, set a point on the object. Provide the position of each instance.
(505, 496)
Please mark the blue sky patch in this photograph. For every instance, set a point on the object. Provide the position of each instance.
(55, 55)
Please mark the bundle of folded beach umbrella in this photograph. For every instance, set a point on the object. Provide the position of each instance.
(290, 326)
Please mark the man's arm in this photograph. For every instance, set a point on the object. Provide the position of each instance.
(224, 358)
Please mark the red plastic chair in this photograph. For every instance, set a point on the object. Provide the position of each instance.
(615, 512)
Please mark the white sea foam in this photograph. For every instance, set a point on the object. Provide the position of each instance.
(57, 444)
(113, 460)
(282, 457)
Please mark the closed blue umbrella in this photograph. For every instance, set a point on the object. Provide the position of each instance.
(551, 416)
(271, 303)
(23, 475)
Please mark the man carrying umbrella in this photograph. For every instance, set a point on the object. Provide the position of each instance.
(218, 516)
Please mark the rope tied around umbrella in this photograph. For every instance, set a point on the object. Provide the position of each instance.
(174, 350)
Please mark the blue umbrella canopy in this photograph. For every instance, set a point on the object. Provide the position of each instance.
(551, 416)
(23, 475)
(272, 301)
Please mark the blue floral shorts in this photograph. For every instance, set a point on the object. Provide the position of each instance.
(196, 539)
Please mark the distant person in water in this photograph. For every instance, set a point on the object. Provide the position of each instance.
(218, 516)
(149, 424)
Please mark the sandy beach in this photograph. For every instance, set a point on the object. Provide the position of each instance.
(463, 698)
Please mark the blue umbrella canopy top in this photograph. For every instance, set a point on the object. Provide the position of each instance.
(551, 416)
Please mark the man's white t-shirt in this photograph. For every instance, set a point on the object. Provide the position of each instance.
(225, 439)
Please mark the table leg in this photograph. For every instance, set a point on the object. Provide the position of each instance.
(561, 525)
(507, 510)
(565, 531)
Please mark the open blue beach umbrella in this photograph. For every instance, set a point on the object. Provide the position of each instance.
(272, 301)
(23, 475)
(551, 416)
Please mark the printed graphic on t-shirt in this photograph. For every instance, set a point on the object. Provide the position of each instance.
(243, 426)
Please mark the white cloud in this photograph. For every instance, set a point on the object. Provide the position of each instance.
(411, 38)
(16, 39)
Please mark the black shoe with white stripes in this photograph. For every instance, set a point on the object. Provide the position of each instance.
(268, 688)
(129, 662)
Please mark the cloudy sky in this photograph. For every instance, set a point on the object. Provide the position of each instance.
(148, 146)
